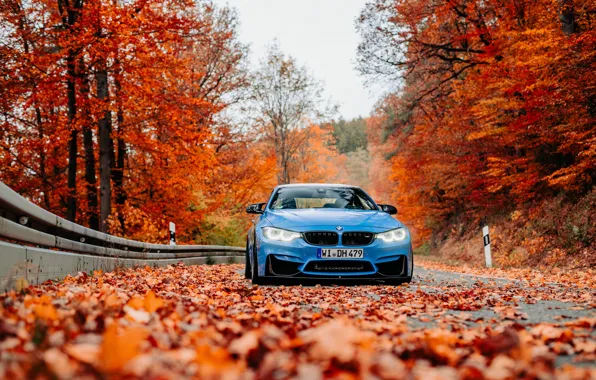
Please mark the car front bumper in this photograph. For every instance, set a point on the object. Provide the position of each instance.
(298, 259)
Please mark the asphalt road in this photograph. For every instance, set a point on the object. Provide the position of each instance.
(540, 305)
(208, 321)
(551, 303)
(458, 301)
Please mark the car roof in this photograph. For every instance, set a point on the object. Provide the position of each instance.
(315, 185)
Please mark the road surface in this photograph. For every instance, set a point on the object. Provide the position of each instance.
(209, 322)
(473, 301)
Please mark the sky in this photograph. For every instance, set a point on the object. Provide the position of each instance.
(319, 34)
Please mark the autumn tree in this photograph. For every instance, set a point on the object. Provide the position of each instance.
(493, 105)
(139, 85)
(317, 158)
(286, 98)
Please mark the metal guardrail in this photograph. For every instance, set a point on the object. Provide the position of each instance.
(34, 229)
(46, 229)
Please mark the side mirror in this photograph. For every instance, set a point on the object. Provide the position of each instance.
(255, 208)
(391, 210)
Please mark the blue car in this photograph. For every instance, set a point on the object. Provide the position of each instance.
(325, 231)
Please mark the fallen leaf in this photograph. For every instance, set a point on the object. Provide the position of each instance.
(120, 347)
(152, 303)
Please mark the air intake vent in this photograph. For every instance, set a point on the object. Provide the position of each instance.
(357, 238)
(321, 238)
(395, 267)
(339, 266)
(279, 267)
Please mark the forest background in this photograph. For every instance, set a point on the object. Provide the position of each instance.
(124, 116)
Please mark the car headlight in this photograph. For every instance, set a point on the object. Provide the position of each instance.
(399, 234)
(279, 234)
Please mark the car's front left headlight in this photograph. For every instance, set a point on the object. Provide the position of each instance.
(399, 234)
(280, 234)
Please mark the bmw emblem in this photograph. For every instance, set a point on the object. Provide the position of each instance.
(339, 228)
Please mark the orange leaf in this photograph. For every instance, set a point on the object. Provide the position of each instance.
(44, 309)
(46, 312)
(136, 303)
(118, 349)
(152, 302)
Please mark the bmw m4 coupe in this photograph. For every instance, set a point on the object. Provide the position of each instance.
(323, 231)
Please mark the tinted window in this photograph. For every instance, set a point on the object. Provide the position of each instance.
(292, 198)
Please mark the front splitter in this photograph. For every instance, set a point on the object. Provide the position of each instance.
(332, 280)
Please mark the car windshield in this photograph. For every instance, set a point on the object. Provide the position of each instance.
(292, 198)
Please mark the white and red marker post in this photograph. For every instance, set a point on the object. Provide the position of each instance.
(487, 255)
(172, 234)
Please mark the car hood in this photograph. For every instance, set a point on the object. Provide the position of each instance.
(305, 219)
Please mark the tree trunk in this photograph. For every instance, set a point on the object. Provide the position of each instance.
(567, 16)
(42, 160)
(118, 172)
(283, 155)
(286, 160)
(119, 176)
(71, 203)
(69, 14)
(105, 152)
(90, 175)
(40, 134)
(285, 163)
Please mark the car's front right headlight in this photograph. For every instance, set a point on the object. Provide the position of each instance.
(280, 234)
(399, 234)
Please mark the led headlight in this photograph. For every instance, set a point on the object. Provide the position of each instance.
(279, 234)
(399, 234)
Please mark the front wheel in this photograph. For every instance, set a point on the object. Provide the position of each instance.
(256, 279)
(409, 278)
(247, 268)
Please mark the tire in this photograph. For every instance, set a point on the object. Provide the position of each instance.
(247, 268)
(256, 279)
(409, 278)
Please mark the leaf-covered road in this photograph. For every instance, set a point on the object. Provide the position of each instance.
(209, 322)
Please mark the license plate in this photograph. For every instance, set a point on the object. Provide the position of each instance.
(339, 253)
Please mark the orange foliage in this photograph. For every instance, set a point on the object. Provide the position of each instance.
(316, 159)
(496, 109)
(172, 70)
(172, 67)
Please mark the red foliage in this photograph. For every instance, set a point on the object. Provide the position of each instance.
(496, 107)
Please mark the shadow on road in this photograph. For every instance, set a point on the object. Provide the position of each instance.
(328, 282)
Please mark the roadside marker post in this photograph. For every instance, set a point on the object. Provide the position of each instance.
(487, 255)
(172, 234)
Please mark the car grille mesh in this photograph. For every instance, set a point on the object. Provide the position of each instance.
(357, 238)
(321, 238)
(339, 266)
